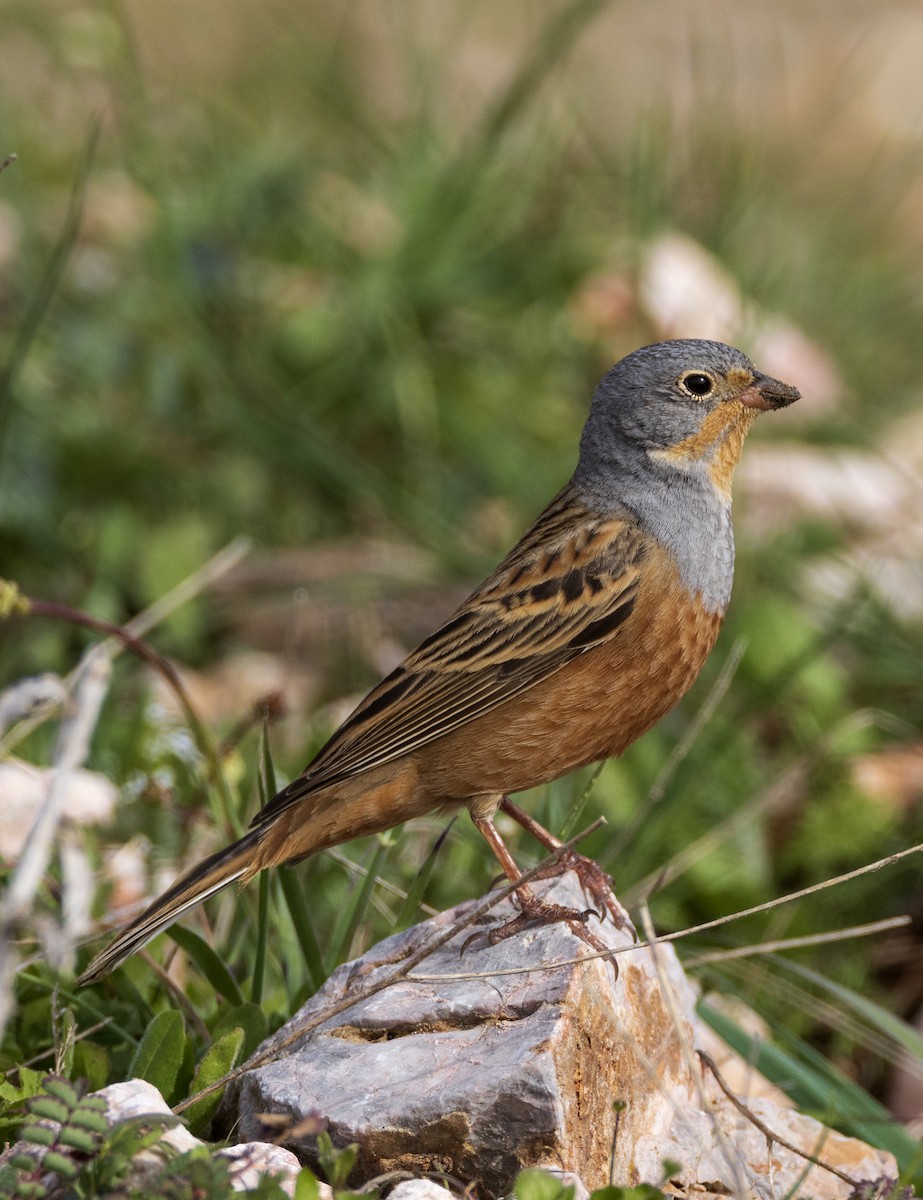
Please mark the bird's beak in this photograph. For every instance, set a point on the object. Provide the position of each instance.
(765, 393)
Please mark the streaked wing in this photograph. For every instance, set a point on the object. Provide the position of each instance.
(568, 585)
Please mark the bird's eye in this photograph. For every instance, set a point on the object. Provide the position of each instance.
(697, 383)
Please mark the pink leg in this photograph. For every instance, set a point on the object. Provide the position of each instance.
(596, 883)
(533, 911)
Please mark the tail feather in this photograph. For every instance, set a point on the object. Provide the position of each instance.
(204, 880)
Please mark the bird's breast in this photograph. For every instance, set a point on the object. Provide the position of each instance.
(591, 709)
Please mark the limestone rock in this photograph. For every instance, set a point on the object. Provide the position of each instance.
(513, 1056)
(419, 1189)
(249, 1161)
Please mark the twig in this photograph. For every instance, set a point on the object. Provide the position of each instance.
(89, 683)
(70, 753)
(796, 943)
(187, 589)
(692, 929)
(764, 1129)
(386, 981)
(145, 621)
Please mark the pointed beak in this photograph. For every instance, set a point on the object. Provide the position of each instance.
(765, 393)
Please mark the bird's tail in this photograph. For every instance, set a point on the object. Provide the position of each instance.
(204, 880)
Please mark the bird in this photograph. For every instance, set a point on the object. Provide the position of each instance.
(589, 631)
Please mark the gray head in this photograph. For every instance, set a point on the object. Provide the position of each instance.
(677, 406)
(664, 435)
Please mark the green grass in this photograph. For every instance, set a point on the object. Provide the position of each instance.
(288, 312)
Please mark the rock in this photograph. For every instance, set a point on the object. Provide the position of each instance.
(249, 1160)
(512, 1056)
(419, 1189)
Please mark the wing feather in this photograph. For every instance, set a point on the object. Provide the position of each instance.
(568, 585)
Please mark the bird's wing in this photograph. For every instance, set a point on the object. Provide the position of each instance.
(567, 586)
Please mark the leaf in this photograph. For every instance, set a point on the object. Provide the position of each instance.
(92, 1063)
(50, 1109)
(262, 939)
(336, 1164)
(295, 899)
(248, 1017)
(415, 892)
(208, 962)
(879, 1018)
(540, 1185)
(160, 1052)
(306, 1187)
(352, 915)
(220, 1059)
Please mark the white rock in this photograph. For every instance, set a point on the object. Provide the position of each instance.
(248, 1161)
(420, 1189)
(138, 1098)
(251, 1160)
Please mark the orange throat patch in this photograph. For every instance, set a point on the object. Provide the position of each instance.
(719, 443)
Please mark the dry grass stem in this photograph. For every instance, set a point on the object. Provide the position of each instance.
(795, 943)
(764, 1129)
(693, 929)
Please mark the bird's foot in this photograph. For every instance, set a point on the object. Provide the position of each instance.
(535, 912)
(596, 884)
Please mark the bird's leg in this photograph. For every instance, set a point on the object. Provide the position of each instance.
(595, 882)
(532, 909)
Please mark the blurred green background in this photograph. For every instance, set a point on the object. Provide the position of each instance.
(341, 277)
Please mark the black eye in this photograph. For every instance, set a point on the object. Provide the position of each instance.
(697, 382)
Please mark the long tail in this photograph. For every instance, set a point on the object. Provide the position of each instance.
(204, 880)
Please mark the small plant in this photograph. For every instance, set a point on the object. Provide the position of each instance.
(68, 1148)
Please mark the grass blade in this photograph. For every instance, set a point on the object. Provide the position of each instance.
(208, 962)
(352, 916)
(295, 899)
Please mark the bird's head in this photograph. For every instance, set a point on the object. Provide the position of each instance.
(684, 405)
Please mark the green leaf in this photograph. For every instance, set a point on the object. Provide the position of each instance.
(39, 1135)
(92, 1063)
(30, 1084)
(306, 1187)
(248, 1017)
(220, 1059)
(296, 901)
(417, 889)
(336, 1164)
(50, 1108)
(540, 1185)
(262, 938)
(78, 1139)
(63, 1089)
(60, 1164)
(351, 915)
(160, 1052)
(208, 962)
(879, 1018)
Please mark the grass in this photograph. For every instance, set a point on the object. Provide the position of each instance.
(290, 312)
